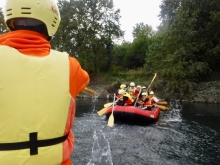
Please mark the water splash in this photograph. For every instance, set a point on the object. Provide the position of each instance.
(174, 114)
(101, 152)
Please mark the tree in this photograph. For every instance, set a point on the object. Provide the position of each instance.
(137, 28)
(137, 51)
(187, 50)
(3, 28)
(88, 30)
(169, 9)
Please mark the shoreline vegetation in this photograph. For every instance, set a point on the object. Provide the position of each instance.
(184, 51)
(203, 92)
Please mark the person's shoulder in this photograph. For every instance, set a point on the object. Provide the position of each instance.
(58, 52)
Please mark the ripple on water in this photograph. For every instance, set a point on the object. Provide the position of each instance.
(167, 141)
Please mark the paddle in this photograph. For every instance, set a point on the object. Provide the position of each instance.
(90, 91)
(162, 102)
(137, 97)
(161, 107)
(103, 111)
(108, 105)
(111, 117)
(152, 81)
(147, 88)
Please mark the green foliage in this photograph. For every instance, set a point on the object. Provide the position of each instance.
(3, 28)
(141, 28)
(87, 30)
(169, 9)
(186, 49)
(132, 55)
(115, 70)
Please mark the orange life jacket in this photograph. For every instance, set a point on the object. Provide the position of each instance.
(151, 101)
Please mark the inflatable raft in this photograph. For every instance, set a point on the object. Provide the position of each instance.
(133, 115)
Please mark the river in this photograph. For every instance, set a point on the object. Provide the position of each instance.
(188, 134)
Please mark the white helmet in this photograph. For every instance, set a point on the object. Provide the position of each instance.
(121, 92)
(132, 84)
(23, 13)
(138, 86)
(151, 93)
(144, 94)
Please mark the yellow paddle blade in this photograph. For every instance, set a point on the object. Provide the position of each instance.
(163, 107)
(102, 111)
(111, 120)
(108, 105)
(162, 102)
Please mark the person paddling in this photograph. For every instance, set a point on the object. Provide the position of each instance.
(132, 90)
(122, 86)
(124, 98)
(38, 87)
(151, 101)
(142, 101)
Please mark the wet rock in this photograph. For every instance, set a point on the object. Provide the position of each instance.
(197, 99)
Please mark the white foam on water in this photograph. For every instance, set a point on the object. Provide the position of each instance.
(173, 115)
(101, 152)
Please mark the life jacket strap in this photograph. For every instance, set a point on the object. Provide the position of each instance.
(33, 143)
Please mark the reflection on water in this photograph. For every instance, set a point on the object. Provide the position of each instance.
(203, 113)
(183, 135)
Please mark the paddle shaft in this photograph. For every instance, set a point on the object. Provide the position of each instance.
(90, 92)
(152, 81)
(102, 111)
(111, 117)
(162, 103)
(159, 106)
(137, 97)
(108, 105)
(147, 88)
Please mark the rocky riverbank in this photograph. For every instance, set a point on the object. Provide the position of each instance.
(205, 92)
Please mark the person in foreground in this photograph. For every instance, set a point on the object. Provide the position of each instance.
(38, 86)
